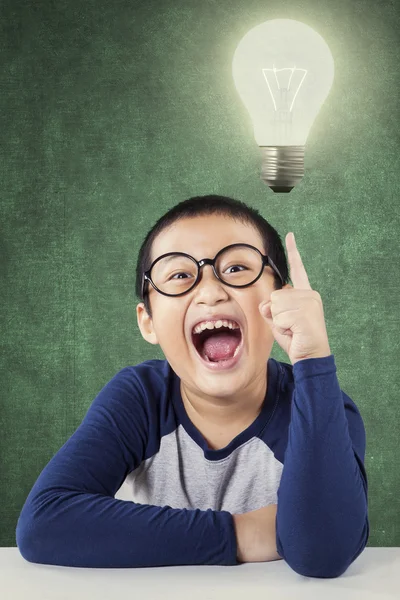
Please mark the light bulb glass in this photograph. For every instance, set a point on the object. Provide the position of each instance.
(283, 71)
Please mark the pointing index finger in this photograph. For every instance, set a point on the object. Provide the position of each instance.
(298, 274)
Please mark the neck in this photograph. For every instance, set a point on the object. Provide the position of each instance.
(231, 411)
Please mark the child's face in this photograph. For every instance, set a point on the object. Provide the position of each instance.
(203, 237)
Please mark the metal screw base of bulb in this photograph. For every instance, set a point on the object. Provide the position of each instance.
(282, 166)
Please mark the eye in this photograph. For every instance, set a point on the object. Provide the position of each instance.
(173, 276)
(240, 266)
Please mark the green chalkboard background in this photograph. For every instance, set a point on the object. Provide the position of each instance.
(111, 113)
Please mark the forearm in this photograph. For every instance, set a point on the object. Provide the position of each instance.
(96, 531)
(322, 522)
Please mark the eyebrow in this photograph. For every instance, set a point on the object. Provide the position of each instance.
(168, 258)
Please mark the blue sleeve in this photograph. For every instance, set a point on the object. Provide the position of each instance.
(71, 517)
(322, 516)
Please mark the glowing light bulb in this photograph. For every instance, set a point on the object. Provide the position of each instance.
(283, 71)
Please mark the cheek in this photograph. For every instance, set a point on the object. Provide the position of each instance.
(261, 331)
(254, 318)
(170, 329)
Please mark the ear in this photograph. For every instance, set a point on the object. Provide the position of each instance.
(145, 324)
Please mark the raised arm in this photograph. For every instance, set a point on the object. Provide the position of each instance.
(322, 518)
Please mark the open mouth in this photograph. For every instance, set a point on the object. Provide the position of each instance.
(217, 345)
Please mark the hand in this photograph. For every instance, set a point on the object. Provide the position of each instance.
(256, 535)
(295, 314)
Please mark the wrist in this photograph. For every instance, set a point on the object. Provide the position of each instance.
(239, 525)
(320, 354)
(256, 535)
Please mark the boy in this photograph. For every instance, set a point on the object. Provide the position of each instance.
(228, 455)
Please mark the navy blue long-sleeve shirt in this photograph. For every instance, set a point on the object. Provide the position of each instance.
(137, 485)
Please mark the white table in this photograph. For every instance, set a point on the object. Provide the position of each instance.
(374, 575)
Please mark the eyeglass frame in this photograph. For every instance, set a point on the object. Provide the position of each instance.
(266, 261)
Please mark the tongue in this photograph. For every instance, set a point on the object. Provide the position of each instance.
(221, 346)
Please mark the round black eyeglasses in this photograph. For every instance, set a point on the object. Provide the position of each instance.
(266, 261)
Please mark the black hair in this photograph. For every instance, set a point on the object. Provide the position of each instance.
(212, 205)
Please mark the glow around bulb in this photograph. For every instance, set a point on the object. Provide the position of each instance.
(283, 71)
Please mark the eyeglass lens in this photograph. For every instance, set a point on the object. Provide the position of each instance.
(175, 274)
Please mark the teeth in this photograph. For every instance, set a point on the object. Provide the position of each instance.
(215, 325)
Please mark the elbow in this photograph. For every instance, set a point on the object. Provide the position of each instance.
(319, 569)
(325, 565)
(329, 561)
(23, 538)
(29, 538)
(37, 540)
(34, 547)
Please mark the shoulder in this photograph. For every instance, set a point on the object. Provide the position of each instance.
(145, 375)
(132, 391)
